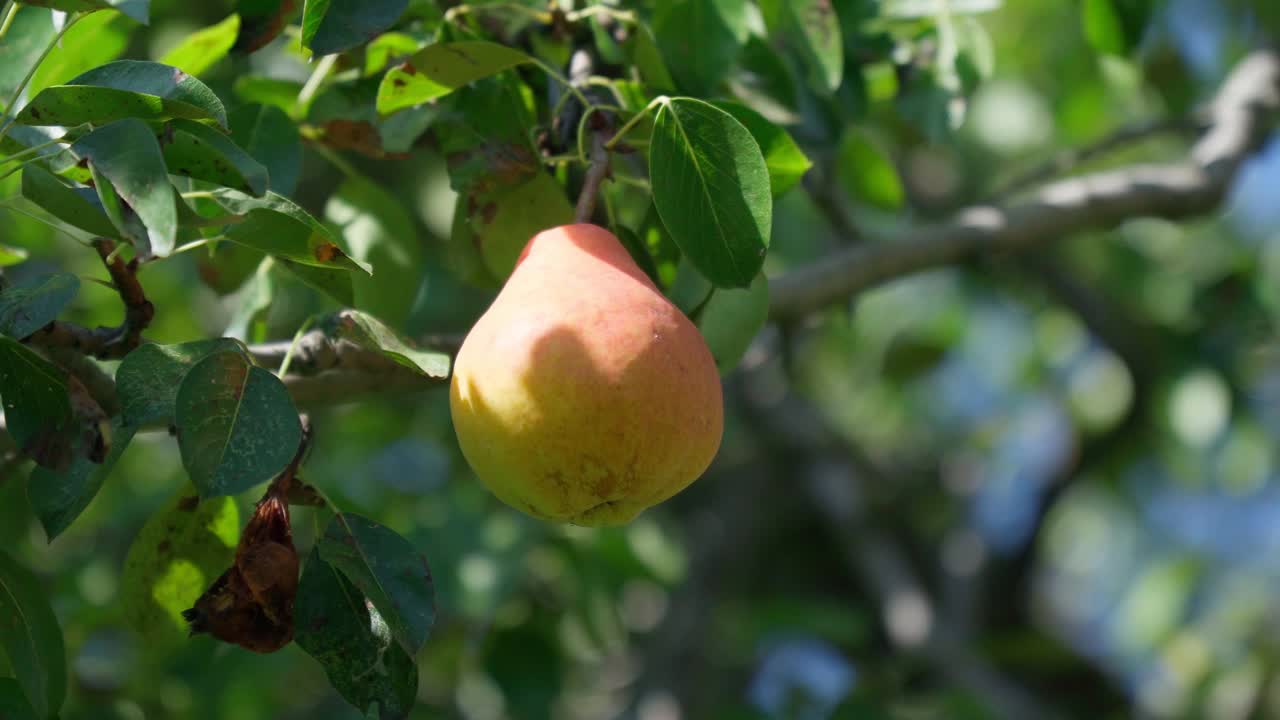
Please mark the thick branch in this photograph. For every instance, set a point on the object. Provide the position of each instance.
(1239, 121)
(105, 343)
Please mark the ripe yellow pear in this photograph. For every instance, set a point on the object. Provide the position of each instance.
(582, 394)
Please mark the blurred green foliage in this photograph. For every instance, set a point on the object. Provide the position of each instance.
(1101, 529)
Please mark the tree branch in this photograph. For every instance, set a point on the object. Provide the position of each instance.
(1066, 160)
(839, 482)
(1238, 122)
(105, 343)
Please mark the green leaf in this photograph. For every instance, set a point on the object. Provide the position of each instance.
(282, 94)
(1114, 27)
(58, 498)
(690, 289)
(331, 26)
(91, 42)
(640, 253)
(648, 60)
(13, 702)
(28, 36)
(730, 320)
(202, 49)
(137, 9)
(126, 222)
(865, 171)
(176, 555)
(237, 425)
(35, 302)
(195, 150)
(386, 48)
(11, 255)
(148, 378)
(30, 636)
(37, 407)
(485, 139)
(127, 154)
(124, 89)
(711, 187)
(368, 332)
(437, 70)
(381, 234)
(812, 27)
(387, 570)
(227, 266)
(352, 642)
(248, 323)
(500, 221)
(345, 114)
(70, 205)
(261, 21)
(271, 138)
(337, 284)
(700, 40)
(276, 225)
(664, 251)
(787, 163)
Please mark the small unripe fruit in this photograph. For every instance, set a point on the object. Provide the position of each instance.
(582, 394)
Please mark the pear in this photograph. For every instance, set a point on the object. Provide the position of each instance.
(583, 395)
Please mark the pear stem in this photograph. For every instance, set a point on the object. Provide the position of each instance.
(597, 172)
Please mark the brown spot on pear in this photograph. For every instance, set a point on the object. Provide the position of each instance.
(583, 395)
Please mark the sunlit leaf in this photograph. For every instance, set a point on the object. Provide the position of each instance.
(202, 49)
(711, 187)
(176, 555)
(437, 70)
(787, 163)
(866, 172)
(380, 234)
